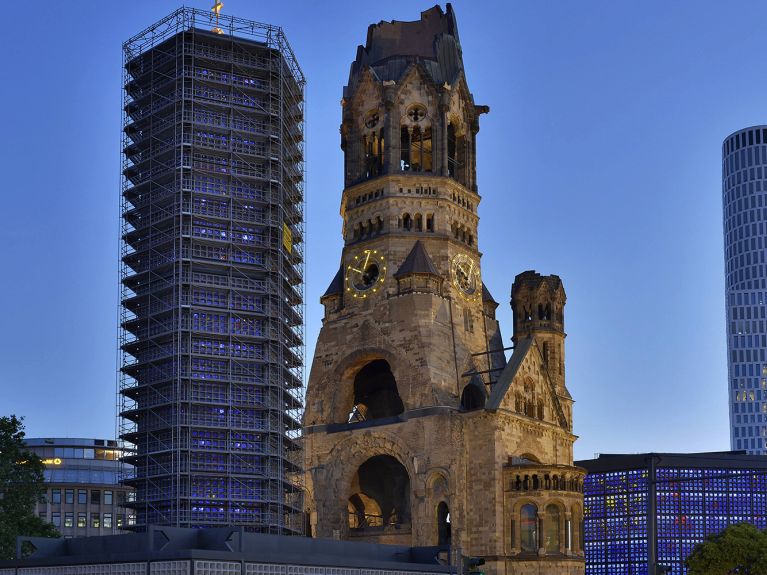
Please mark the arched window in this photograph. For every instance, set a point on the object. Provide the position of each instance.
(375, 393)
(429, 222)
(373, 146)
(443, 524)
(418, 223)
(472, 398)
(405, 135)
(528, 527)
(407, 222)
(551, 529)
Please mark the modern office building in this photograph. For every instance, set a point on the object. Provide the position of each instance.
(646, 512)
(83, 494)
(211, 333)
(744, 200)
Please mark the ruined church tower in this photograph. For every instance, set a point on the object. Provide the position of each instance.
(417, 429)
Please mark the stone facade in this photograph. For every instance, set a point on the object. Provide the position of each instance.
(418, 431)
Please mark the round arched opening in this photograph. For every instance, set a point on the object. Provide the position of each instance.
(472, 397)
(381, 495)
(375, 393)
(551, 529)
(443, 524)
(528, 523)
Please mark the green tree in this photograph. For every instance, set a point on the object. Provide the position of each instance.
(21, 486)
(740, 549)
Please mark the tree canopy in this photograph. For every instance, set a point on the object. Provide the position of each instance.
(21, 486)
(740, 549)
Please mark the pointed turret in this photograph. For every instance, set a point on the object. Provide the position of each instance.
(418, 272)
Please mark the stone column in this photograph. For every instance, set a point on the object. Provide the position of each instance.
(441, 147)
(391, 129)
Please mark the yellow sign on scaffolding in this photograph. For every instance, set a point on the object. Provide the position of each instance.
(287, 237)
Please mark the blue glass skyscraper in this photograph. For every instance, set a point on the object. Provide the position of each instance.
(744, 199)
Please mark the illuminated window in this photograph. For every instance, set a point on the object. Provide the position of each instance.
(95, 520)
(82, 520)
(69, 519)
(551, 529)
(528, 527)
(107, 521)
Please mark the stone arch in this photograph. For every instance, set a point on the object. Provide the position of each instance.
(381, 489)
(342, 378)
(375, 392)
(553, 524)
(438, 483)
(348, 455)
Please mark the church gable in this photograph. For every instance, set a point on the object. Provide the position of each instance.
(524, 386)
(366, 98)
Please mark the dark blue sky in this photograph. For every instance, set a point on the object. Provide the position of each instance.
(599, 162)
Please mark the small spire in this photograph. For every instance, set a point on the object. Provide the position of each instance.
(216, 9)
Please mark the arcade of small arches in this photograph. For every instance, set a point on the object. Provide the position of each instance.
(367, 229)
(416, 222)
(548, 481)
(416, 145)
(462, 233)
(541, 528)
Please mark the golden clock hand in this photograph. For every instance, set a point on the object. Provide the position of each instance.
(355, 270)
(365, 265)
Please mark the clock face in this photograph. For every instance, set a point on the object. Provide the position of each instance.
(366, 273)
(465, 275)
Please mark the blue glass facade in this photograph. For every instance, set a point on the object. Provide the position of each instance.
(654, 508)
(744, 200)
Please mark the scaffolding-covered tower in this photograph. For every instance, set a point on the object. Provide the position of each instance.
(211, 326)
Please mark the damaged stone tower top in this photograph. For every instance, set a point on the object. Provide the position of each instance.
(392, 46)
(407, 107)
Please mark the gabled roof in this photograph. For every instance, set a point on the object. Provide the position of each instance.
(503, 385)
(509, 372)
(417, 261)
(336, 287)
(487, 296)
